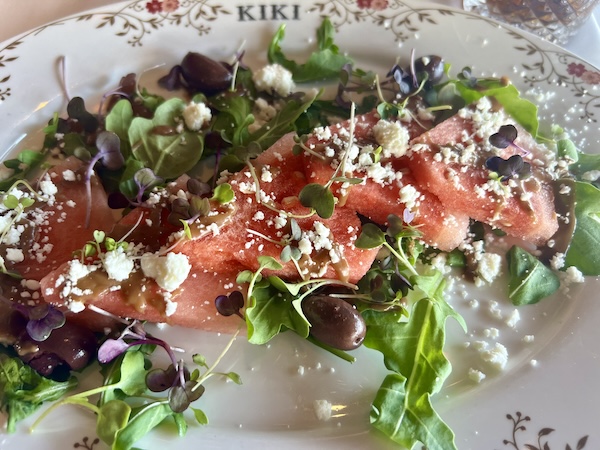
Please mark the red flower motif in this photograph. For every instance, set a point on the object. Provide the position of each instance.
(364, 4)
(576, 69)
(154, 6)
(591, 77)
(170, 5)
(379, 5)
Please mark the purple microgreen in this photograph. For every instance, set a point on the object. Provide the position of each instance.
(513, 167)
(159, 380)
(171, 81)
(505, 136)
(413, 72)
(180, 397)
(111, 348)
(145, 179)
(42, 320)
(228, 305)
(109, 152)
(197, 187)
(109, 94)
(76, 110)
(62, 75)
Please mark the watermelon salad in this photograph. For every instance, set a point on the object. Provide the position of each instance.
(249, 198)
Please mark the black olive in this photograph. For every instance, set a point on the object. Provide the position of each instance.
(334, 322)
(432, 65)
(70, 345)
(205, 75)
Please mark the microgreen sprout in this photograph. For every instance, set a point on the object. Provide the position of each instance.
(505, 169)
(505, 137)
(228, 305)
(100, 242)
(42, 319)
(372, 236)
(109, 152)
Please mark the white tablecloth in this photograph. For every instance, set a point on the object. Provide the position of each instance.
(21, 15)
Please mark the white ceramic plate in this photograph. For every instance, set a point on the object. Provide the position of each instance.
(547, 397)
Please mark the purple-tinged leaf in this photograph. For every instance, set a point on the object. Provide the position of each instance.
(110, 349)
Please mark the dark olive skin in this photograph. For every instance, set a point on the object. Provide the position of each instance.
(334, 321)
(204, 74)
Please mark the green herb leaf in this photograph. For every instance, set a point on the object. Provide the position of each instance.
(118, 121)
(143, 421)
(113, 416)
(168, 155)
(23, 390)
(371, 236)
(530, 281)
(223, 193)
(412, 349)
(319, 198)
(323, 64)
(584, 250)
(200, 417)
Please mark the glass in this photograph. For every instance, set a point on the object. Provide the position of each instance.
(554, 20)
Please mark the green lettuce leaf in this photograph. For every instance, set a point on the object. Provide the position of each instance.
(23, 390)
(584, 250)
(413, 350)
(530, 280)
(167, 155)
(323, 64)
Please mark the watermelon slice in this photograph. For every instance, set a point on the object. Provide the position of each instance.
(450, 161)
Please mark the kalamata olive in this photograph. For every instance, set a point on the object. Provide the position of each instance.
(334, 321)
(70, 345)
(204, 74)
(432, 65)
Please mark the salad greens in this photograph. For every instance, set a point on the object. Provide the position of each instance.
(401, 298)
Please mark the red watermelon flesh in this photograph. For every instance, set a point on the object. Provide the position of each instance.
(45, 243)
(449, 161)
(376, 200)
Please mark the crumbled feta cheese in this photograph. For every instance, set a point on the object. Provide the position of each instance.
(118, 264)
(514, 317)
(168, 271)
(573, 275)
(14, 255)
(196, 115)
(393, 138)
(69, 175)
(476, 375)
(489, 266)
(48, 187)
(497, 356)
(274, 78)
(322, 409)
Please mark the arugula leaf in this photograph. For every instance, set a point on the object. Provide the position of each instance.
(530, 281)
(584, 250)
(23, 390)
(271, 311)
(412, 349)
(586, 163)
(523, 111)
(323, 64)
(235, 115)
(167, 154)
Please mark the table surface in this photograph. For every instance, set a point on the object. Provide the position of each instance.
(19, 16)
